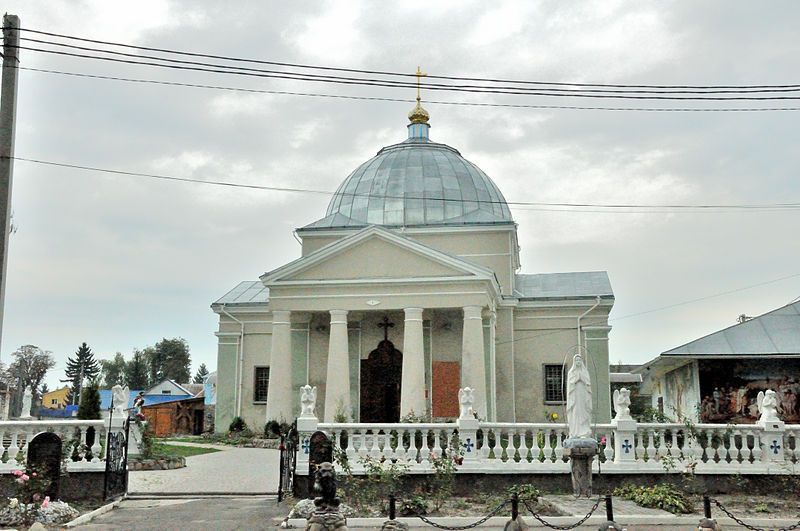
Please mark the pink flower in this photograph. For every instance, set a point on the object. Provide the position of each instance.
(20, 481)
(46, 502)
(603, 439)
(34, 474)
(36, 497)
(17, 473)
(24, 477)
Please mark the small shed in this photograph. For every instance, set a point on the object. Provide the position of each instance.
(177, 417)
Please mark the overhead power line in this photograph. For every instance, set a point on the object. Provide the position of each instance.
(402, 84)
(400, 74)
(404, 100)
(562, 205)
(220, 69)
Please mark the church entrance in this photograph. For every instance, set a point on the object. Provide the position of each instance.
(380, 382)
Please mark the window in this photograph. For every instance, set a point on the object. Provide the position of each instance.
(554, 383)
(166, 392)
(261, 384)
(54, 401)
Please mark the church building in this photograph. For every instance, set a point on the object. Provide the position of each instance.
(408, 289)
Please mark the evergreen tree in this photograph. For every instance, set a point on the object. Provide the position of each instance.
(79, 368)
(169, 360)
(113, 371)
(136, 371)
(44, 389)
(202, 372)
(90, 402)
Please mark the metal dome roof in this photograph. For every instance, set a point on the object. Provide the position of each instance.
(416, 182)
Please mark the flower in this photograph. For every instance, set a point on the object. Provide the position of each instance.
(13, 503)
(34, 474)
(46, 502)
(24, 477)
(603, 439)
(17, 473)
(555, 416)
(36, 497)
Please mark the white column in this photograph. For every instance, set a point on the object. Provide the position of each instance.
(473, 368)
(412, 386)
(280, 397)
(337, 382)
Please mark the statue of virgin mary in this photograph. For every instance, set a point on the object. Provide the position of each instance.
(579, 400)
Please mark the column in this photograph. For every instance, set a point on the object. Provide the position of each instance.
(412, 385)
(473, 368)
(280, 398)
(337, 381)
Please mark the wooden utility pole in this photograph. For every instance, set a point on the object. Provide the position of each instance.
(8, 115)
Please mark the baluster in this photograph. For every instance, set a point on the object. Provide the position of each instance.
(402, 450)
(650, 450)
(350, 451)
(608, 451)
(673, 450)
(437, 444)
(13, 450)
(640, 454)
(528, 458)
(757, 452)
(362, 444)
(492, 439)
(736, 449)
(424, 452)
(795, 443)
(556, 453)
(660, 434)
(3, 447)
(729, 455)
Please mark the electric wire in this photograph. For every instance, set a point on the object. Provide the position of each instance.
(744, 207)
(406, 84)
(404, 100)
(398, 74)
(389, 84)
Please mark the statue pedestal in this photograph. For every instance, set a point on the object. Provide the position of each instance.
(581, 453)
(772, 440)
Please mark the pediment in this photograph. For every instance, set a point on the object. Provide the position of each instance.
(374, 254)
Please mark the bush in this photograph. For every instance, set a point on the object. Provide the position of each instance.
(663, 496)
(237, 425)
(273, 429)
(526, 492)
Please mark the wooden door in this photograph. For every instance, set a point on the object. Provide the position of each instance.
(446, 383)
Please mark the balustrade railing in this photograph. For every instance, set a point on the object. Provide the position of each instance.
(82, 442)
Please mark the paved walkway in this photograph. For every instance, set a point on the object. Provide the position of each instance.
(229, 471)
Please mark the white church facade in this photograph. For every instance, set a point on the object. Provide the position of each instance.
(408, 289)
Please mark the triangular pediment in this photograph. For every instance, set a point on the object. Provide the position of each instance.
(374, 253)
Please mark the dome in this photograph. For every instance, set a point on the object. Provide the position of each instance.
(416, 183)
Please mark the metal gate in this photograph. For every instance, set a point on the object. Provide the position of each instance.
(116, 477)
(288, 462)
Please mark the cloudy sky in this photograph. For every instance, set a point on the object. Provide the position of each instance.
(120, 262)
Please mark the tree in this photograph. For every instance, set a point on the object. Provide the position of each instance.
(136, 371)
(113, 371)
(82, 366)
(28, 369)
(90, 402)
(202, 372)
(170, 360)
(44, 389)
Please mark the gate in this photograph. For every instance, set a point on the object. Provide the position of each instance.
(288, 462)
(116, 476)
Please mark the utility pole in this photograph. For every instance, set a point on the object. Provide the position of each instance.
(8, 114)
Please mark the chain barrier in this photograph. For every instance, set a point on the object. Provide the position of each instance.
(564, 527)
(748, 526)
(467, 526)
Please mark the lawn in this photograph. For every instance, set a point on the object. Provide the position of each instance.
(171, 450)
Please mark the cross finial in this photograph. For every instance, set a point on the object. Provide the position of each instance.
(420, 74)
(386, 325)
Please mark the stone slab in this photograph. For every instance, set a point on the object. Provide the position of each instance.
(570, 505)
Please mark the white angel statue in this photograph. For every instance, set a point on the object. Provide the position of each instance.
(768, 406)
(622, 402)
(308, 400)
(466, 398)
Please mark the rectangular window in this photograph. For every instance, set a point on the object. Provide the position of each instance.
(554, 382)
(166, 392)
(261, 385)
(53, 401)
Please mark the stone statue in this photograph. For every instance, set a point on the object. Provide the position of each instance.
(579, 400)
(622, 402)
(120, 396)
(27, 398)
(466, 397)
(768, 406)
(308, 400)
(327, 515)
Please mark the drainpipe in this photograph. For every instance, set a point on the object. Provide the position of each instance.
(239, 362)
(584, 314)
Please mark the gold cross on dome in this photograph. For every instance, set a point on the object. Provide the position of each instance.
(420, 74)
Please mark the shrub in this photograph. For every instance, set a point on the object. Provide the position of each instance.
(237, 425)
(526, 492)
(663, 496)
(273, 429)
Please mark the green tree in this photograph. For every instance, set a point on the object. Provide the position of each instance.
(81, 367)
(43, 390)
(89, 408)
(28, 369)
(113, 371)
(136, 371)
(202, 372)
(170, 360)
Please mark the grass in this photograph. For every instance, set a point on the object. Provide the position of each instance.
(170, 450)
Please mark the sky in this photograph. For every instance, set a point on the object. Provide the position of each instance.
(120, 261)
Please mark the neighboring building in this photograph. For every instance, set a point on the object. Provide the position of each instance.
(178, 417)
(210, 400)
(166, 391)
(405, 291)
(717, 378)
(55, 399)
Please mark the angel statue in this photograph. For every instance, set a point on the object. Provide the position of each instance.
(622, 402)
(579, 400)
(768, 406)
(466, 397)
(120, 396)
(308, 400)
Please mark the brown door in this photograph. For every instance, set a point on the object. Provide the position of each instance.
(446, 383)
(380, 384)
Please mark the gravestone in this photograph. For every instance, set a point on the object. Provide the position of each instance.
(320, 451)
(44, 454)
